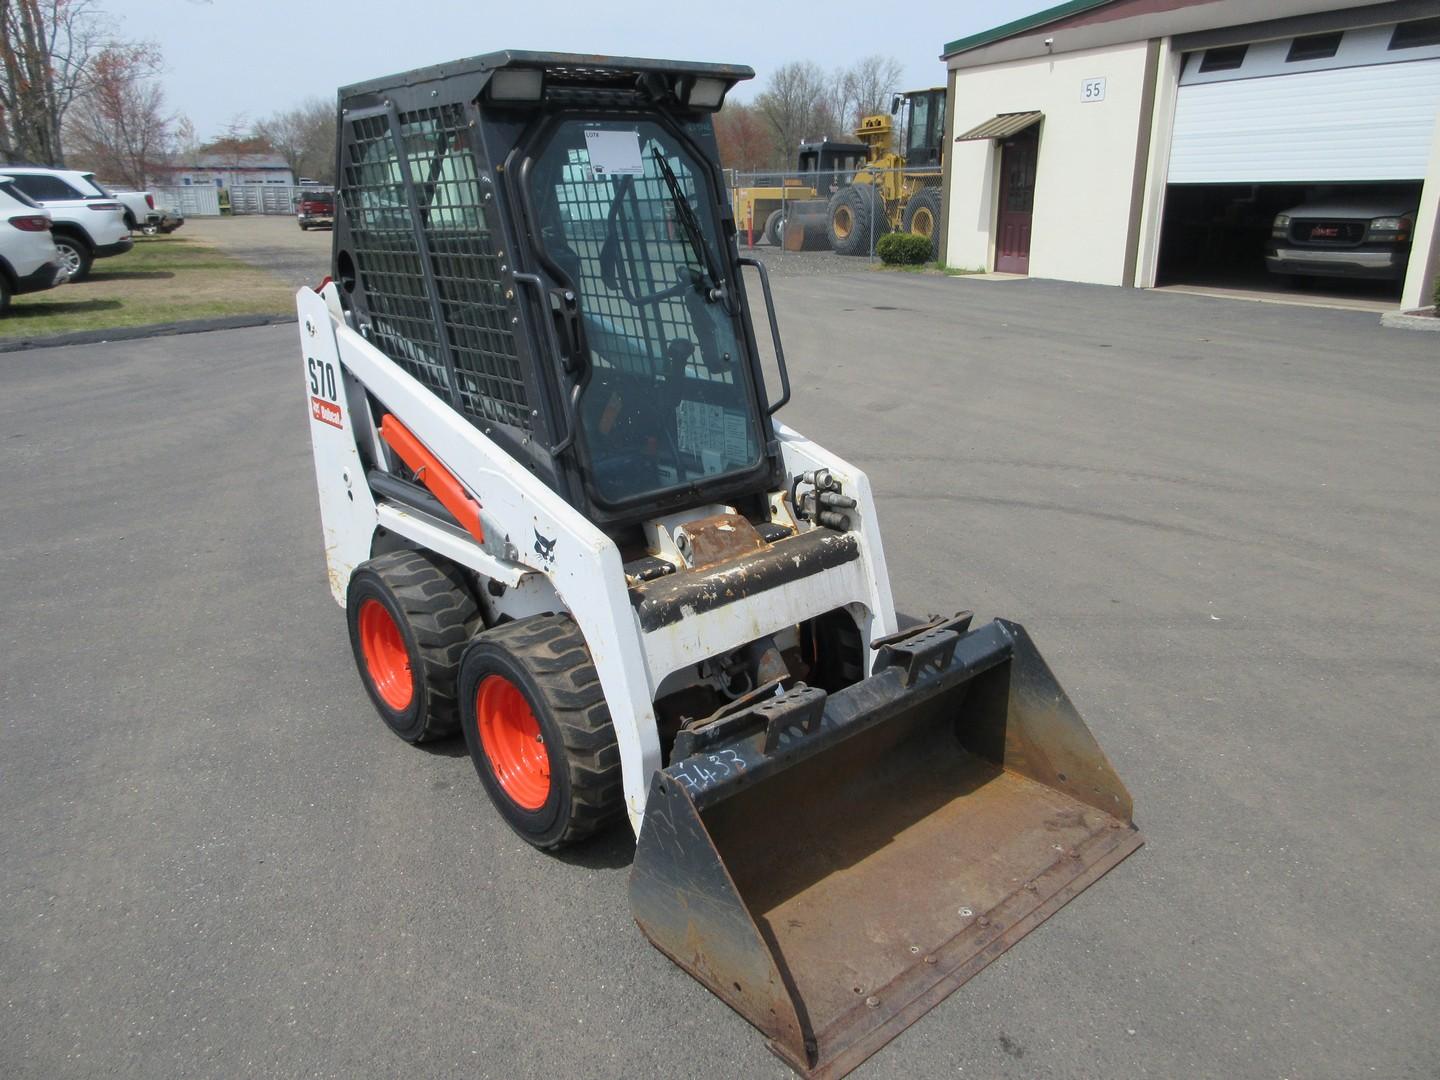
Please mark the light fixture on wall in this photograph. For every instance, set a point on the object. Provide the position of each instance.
(1049, 44)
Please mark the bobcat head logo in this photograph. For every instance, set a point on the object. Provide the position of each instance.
(544, 548)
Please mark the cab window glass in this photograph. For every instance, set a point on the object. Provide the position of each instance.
(667, 400)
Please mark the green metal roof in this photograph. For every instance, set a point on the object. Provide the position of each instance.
(1019, 26)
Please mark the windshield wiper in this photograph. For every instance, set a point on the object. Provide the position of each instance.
(690, 226)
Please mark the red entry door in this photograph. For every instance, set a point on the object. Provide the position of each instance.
(1017, 201)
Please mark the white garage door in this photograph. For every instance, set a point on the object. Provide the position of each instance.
(1355, 123)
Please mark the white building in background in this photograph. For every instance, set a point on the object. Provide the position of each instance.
(1111, 141)
(227, 170)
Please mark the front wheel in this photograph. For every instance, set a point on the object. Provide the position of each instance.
(856, 219)
(410, 618)
(539, 731)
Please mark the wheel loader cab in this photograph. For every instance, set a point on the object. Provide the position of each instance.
(655, 353)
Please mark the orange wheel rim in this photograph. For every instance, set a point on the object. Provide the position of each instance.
(923, 224)
(386, 658)
(842, 221)
(513, 744)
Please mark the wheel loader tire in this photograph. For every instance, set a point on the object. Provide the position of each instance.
(539, 730)
(922, 217)
(775, 228)
(856, 218)
(410, 619)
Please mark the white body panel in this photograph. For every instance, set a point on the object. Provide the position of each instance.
(25, 251)
(581, 568)
(1354, 123)
(103, 227)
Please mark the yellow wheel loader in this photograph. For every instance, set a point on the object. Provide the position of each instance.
(894, 191)
(563, 520)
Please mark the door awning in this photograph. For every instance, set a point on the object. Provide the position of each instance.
(1002, 126)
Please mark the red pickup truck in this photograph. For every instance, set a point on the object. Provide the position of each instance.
(317, 208)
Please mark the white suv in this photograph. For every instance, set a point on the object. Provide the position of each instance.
(28, 259)
(88, 225)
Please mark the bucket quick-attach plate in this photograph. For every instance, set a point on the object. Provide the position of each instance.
(832, 868)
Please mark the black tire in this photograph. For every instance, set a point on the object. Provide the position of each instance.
(75, 254)
(856, 215)
(545, 658)
(775, 228)
(304, 227)
(130, 221)
(4, 294)
(436, 616)
(922, 217)
(838, 650)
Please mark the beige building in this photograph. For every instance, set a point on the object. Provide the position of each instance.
(1136, 142)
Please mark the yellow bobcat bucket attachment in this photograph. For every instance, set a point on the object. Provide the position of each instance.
(834, 867)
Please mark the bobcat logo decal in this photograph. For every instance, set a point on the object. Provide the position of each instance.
(544, 548)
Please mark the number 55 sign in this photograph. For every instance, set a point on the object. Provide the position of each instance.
(1092, 90)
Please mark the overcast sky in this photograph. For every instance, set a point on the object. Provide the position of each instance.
(225, 58)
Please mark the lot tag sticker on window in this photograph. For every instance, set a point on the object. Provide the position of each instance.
(713, 433)
(614, 153)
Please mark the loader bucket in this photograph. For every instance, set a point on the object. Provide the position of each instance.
(832, 867)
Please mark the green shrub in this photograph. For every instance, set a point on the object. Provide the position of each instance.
(903, 249)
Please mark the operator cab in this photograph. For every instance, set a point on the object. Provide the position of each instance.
(828, 166)
(924, 125)
(544, 241)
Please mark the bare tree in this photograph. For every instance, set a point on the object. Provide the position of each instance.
(305, 137)
(870, 83)
(237, 141)
(47, 53)
(119, 127)
(795, 103)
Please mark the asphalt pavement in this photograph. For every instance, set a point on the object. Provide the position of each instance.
(1217, 519)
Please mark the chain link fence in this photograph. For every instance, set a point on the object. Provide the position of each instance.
(800, 214)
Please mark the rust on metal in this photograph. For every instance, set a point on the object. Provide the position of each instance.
(717, 539)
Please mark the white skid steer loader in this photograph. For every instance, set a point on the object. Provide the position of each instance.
(562, 519)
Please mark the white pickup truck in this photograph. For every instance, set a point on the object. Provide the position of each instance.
(140, 213)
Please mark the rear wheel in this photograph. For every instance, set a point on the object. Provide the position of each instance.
(922, 217)
(775, 228)
(539, 731)
(4, 294)
(410, 618)
(856, 219)
(74, 255)
(304, 227)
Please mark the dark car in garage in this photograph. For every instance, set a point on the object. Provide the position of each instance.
(1341, 238)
